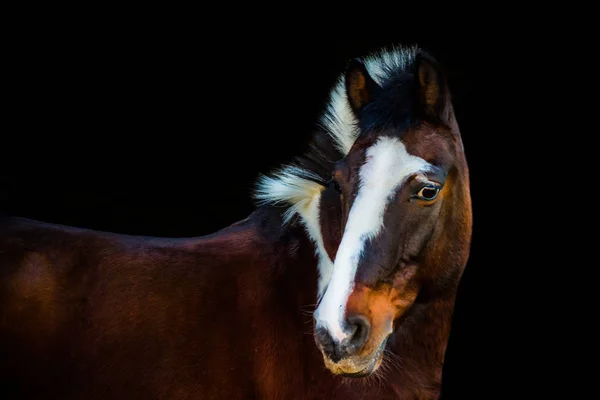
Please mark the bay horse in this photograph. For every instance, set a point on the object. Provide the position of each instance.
(340, 284)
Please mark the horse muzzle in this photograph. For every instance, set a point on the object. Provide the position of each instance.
(358, 353)
(357, 365)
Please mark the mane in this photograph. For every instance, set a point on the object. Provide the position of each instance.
(297, 186)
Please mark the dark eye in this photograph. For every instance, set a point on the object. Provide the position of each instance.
(335, 186)
(428, 192)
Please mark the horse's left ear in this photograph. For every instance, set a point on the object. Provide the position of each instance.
(360, 87)
(432, 85)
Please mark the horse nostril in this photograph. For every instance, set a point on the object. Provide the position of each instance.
(324, 339)
(359, 330)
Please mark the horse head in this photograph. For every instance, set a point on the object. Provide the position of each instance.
(395, 218)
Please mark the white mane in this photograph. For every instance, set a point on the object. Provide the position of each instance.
(338, 119)
(297, 187)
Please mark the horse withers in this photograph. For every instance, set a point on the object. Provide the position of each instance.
(340, 285)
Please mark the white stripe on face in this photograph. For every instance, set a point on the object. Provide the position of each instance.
(386, 167)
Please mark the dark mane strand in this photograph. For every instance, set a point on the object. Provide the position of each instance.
(321, 156)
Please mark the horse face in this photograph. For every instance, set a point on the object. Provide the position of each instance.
(387, 203)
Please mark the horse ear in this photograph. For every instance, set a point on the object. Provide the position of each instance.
(432, 85)
(360, 87)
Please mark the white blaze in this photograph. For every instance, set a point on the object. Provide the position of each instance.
(386, 167)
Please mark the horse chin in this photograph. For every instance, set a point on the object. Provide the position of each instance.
(356, 367)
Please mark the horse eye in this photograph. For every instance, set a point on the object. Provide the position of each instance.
(337, 187)
(428, 192)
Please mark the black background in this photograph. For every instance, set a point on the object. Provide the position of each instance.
(165, 135)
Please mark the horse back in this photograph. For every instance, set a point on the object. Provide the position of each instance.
(97, 314)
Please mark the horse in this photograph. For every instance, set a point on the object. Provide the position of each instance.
(340, 284)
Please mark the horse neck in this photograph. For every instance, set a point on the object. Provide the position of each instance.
(287, 262)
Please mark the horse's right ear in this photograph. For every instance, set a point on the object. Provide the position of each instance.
(360, 87)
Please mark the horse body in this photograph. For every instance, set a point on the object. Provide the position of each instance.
(341, 284)
(97, 315)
